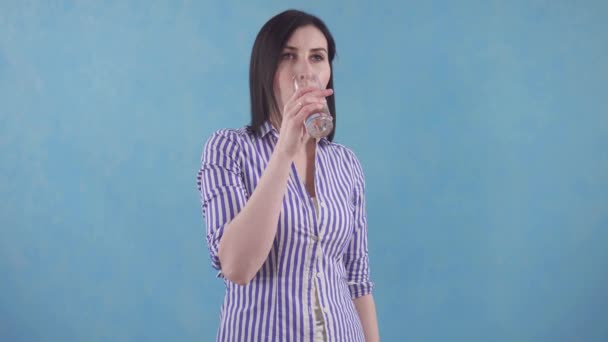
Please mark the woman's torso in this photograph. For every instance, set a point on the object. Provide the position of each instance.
(306, 258)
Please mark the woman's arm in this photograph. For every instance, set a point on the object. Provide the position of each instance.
(242, 236)
(366, 308)
(248, 238)
(356, 260)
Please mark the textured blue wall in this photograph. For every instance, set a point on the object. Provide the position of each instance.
(482, 128)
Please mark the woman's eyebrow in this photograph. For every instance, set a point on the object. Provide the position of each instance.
(312, 50)
(318, 49)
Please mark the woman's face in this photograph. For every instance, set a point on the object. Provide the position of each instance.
(305, 52)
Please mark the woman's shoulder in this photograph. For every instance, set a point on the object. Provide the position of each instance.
(230, 135)
(348, 156)
(229, 140)
(343, 151)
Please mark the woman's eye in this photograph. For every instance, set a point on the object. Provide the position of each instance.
(317, 58)
(288, 55)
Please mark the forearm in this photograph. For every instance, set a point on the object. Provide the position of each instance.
(366, 308)
(248, 238)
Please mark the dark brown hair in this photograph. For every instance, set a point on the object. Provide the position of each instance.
(265, 58)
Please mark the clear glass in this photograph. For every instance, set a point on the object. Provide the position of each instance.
(318, 125)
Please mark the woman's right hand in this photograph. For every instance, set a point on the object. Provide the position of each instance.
(302, 103)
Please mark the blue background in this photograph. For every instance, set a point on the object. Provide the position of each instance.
(482, 127)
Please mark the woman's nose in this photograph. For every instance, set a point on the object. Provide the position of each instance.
(302, 67)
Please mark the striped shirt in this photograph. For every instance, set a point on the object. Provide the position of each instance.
(328, 248)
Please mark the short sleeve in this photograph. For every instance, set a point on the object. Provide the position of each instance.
(221, 187)
(356, 259)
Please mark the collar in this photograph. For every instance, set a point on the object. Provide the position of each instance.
(266, 128)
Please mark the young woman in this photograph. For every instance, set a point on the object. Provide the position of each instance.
(285, 212)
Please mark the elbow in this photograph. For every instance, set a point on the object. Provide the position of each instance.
(236, 275)
(239, 269)
(237, 272)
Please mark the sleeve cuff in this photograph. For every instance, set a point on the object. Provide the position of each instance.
(360, 289)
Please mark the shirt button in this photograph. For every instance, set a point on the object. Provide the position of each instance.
(320, 275)
(315, 238)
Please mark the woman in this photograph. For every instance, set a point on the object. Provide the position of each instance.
(285, 213)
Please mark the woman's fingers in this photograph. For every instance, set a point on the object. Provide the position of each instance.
(309, 95)
(306, 100)
(306, 110)
(310, 91)
(298, 93)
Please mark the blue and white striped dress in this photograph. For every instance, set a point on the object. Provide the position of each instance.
(320, 253)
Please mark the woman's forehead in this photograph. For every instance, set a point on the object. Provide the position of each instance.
(307, 37)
